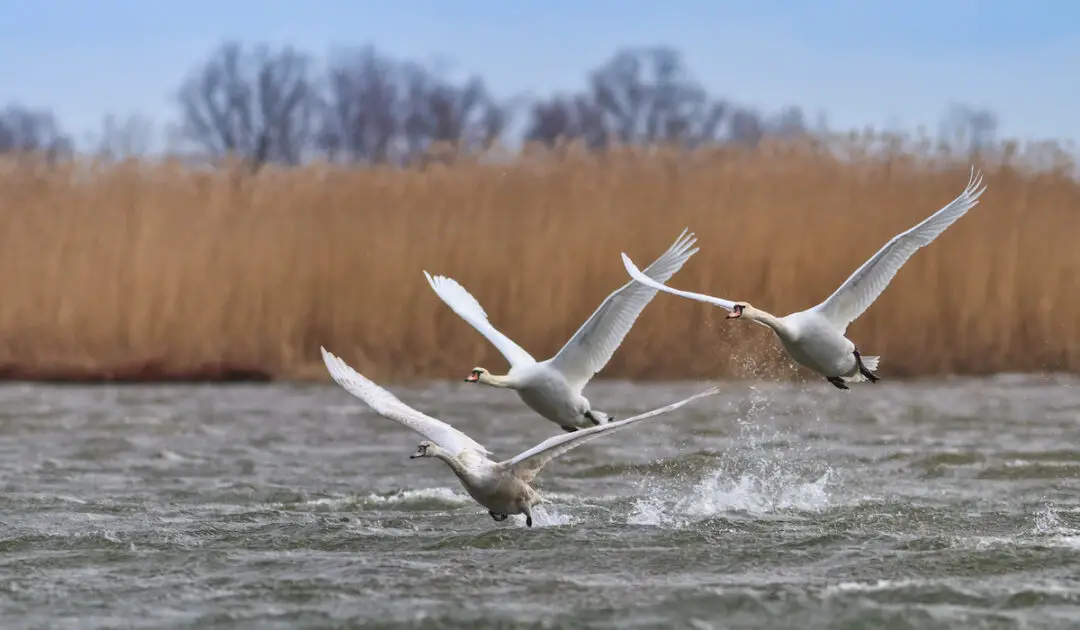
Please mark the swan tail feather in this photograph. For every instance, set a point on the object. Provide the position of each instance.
(871, 363)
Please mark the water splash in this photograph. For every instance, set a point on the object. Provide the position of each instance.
(1047, 522)
(764, 471)
(549, 516)
(419, 497)
(1051, 525)
(1056, 526)
(718, 494)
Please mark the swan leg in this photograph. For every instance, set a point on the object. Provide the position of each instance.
(528, 515)
(837, 382)
(870, 376)
(498, 517)
(603, 417)
(568, 428)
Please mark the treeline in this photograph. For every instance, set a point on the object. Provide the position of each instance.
(280, 105)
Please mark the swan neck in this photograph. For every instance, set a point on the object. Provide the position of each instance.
(768, 319)
(495, 380)
(453, 462)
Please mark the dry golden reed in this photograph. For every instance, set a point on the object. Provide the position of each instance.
(141, 270)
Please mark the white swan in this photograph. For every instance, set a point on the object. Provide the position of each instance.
(501, 487)
(815, 337)
(553, 387)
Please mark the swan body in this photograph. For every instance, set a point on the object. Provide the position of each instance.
(553, 388)
(501, 487)
(815, 338)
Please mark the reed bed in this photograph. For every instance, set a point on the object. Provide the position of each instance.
(143, 271)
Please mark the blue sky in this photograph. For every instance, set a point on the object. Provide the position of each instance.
(888, 64)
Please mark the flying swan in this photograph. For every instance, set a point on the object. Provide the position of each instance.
(815, 337)
(501, 487)
(552, 388)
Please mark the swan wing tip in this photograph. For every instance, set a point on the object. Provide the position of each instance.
(441, 282)
(456, 296)
(975, 187)
(629, 264)
(437, 281)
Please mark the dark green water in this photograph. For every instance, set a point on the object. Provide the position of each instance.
(918, 505)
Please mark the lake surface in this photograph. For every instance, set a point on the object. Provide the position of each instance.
(953, 504)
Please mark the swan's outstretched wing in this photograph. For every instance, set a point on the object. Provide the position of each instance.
(591, 347)
(465, 305)
(388, 406)
(864, 286)
(528, 464)
(636, 274)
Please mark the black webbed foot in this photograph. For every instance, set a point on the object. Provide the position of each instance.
(498, 517)
(870, 376)
(528, 520)
(568, 428)
(591, 418)
(837, 382)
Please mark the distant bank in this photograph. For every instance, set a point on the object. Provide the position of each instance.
(152, 272)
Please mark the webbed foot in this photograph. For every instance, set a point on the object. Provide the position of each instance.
(598, 418)
(498, 517)
(837, 382)
(870, 376)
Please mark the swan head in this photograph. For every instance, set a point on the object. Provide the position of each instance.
(737, 310)
(425, 449)
(475, 375)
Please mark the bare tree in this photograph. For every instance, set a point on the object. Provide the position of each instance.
(746, 127)
(648, 96)
(377, 109)
(118, 139)
(789, 122)
(28, 130)
(639, 96)
(258, 104)
(568, 118)
(360, 111)
(464, 114)
(968, 128)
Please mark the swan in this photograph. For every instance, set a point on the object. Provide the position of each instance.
(815, 338)
(501, 487)
(553, 387)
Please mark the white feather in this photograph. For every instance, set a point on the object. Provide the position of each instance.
(503, 487)
(465, 305)
(528, 463)
(864, 286)
(553, 388)
(591, 347)
(388, 406)
(815, 337)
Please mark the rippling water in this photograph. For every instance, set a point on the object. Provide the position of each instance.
(915, 505)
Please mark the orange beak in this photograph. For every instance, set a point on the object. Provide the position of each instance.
(472, 378)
